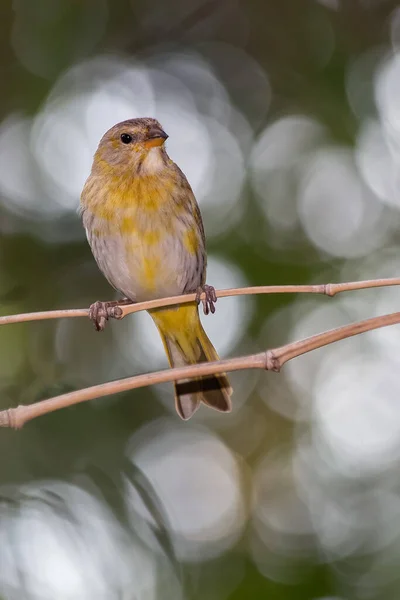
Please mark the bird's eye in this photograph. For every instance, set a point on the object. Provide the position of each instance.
(126, 138)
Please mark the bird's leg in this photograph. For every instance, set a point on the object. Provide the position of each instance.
(209, 299)
(100, 312)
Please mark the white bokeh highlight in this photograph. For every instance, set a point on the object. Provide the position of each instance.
(338, 214)
(52, 537)
(196, 479)
(276, 163)
(358, 414)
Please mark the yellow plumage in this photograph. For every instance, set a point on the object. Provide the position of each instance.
(146, 233)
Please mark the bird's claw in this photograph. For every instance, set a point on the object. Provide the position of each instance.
(210, 297)
(100, 312)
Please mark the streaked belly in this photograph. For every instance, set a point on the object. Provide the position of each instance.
(147, 266)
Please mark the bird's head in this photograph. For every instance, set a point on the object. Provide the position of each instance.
(136, 144)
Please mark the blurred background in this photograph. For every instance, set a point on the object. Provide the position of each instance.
(285, 117)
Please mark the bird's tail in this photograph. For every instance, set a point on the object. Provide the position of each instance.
(186, 343)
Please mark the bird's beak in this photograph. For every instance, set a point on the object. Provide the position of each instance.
(155, 137)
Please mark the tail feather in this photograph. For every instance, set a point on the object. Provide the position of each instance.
(186, 343)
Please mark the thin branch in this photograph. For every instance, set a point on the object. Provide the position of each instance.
(43, 315)
(328, 289)
(271, 360)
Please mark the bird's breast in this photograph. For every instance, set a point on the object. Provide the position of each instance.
(146, 243)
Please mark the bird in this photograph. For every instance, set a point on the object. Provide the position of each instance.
(146, 233)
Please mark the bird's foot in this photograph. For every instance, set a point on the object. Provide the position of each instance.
(100, 312)
(210, 297)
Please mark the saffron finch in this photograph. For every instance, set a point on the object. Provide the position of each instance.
(146, 233)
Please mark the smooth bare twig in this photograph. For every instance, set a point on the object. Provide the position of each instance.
(328, 289)
(271, 360)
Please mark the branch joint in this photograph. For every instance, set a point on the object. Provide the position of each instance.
(272, 362)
